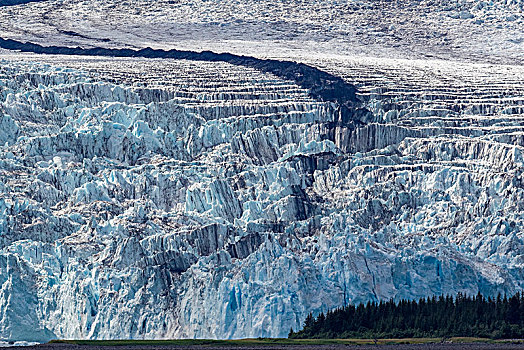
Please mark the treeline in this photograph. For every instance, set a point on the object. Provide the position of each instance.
(444, 316)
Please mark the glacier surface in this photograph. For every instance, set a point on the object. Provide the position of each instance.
(472, 30)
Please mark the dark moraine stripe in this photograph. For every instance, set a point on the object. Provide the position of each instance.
(322, 86)
(17, 2)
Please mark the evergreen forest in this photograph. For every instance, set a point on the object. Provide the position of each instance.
(444, 316)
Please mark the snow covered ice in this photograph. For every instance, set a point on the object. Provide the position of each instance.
(150, 198)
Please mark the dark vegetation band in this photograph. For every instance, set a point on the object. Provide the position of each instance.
(444, 316)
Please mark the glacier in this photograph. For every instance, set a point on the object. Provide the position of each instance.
(162, 199)
(322, 153)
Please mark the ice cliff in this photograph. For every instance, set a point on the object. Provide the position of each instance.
(163, 199)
